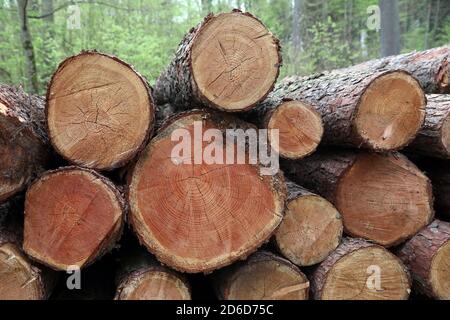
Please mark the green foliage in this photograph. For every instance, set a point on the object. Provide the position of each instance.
(146, 33)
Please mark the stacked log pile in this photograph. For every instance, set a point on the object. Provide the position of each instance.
(344, 215)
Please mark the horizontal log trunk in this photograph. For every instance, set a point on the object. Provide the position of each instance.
(383, 198)
(360, 270)
(427, 256)
(372, 109)
(264, 276)
(230, 62)
(72, 217)
(141, 277)
(24, 151)
(434, 138)
(100, 111)
(300, 127)
(199, 214)
(19, 278)
(430, 67)
(311, 229)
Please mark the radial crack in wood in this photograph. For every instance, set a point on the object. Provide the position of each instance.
(100, 111)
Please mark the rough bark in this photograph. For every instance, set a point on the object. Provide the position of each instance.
(198, 216)
(362, 107)
(311, 229)
(180, 85)
(100, 111)
(344, 274)
(19, 278)
(429, 272)
(24, 150)
(384, 198)
(430, 67)
(434, 137)
(300, 127)
(141, 277)
(73, 216)
(264, 276)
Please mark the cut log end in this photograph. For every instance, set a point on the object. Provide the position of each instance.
(439, 273)
(153, 285)
(99, 111)
(396, 202)
(72, 216)
(300, 129)
(246, 65)
(18, 280)
(200, 217)
(370, 273)
(311, 229)
(391, 111)
(264, 277)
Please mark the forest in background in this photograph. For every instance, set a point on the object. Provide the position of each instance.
(316, 35)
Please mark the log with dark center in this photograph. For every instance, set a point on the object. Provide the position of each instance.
(427, 256)
(299, 126)
(197, 215)
(23, 141)
(377, 110)
(384, 198)
(360, 270)
(141, 277)
(100, 111)
(230, 61)
(19, 278)
(430, 67)
(434, 137)
(311, 229)
(264, 276)
(72, 217)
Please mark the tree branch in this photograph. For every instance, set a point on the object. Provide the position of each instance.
(65, 5)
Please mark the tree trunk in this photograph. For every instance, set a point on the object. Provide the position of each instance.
(390, 28)
(219, 67)
(311, 228)
(28, 50)
(19, 278)
(427, 256)
(360, 270)
(100, 111)
(383, 198)
(367, 108)
(430, 68)
(202, 212)
(48, 36)
(72, 217)
(264, 276)
(299, 126)
(141, 277)
(296, 26)
(24, 148)
(434, 137)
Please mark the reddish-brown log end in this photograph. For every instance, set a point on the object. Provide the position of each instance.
(200, 217)
(300, 129)
(72, 217)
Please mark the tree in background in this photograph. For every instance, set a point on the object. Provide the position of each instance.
(390, 28)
